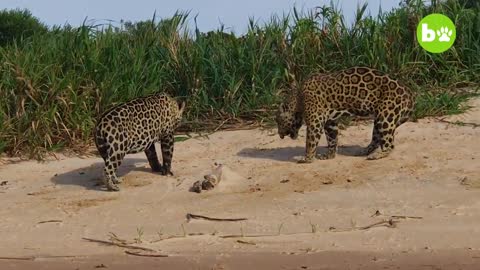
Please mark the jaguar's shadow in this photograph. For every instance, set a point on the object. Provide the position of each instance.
(91, 177)
(287, 154)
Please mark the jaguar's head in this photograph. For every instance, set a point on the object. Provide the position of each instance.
(179, 113)
(289, 119)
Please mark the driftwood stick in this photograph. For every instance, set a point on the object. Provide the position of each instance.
(115, 239)
(387, 223)
(193, 216)
(50, 221)
(18, 258)
(377, 213)
(246, 242)
(117, 244)
(407, 217)
(390, 223)
(32, 258)
(145, 254)
(248, 236)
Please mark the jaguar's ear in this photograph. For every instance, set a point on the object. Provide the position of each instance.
(281, 108)
(292, 81)
(293, 84)
(282, 92)
(181, 108)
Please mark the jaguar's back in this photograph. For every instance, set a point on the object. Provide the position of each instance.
(357, 91)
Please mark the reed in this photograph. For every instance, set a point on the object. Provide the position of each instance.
(54, 84)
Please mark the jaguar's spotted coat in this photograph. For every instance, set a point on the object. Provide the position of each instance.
(135, 126)
(323, 98)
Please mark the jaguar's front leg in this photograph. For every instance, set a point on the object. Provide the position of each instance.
(167, 153)
(331, 132)
(314, 134)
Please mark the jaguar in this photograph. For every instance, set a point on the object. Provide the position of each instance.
(323, 98)
(136, 126)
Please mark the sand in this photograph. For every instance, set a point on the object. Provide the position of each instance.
(310, 215)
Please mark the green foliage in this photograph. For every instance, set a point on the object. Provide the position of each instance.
(441, 103)
(17, 24)
(55, 84)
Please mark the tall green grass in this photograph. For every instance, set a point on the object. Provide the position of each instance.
(53, 85)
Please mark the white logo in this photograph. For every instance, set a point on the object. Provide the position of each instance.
(444, 34)
(428, 35)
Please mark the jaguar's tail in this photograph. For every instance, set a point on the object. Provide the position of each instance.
(101, 143)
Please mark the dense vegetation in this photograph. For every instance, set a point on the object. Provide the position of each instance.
(54, 82)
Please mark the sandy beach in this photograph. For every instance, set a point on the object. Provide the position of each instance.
(424, 199)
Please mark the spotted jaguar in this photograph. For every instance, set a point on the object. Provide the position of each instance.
(136, 126)
(325, 97)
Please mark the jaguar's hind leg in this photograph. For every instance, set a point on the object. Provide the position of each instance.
(110, 179)
(385, 127)
(166, 143)
(374, 143)
(112, 162)
(152, 157)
